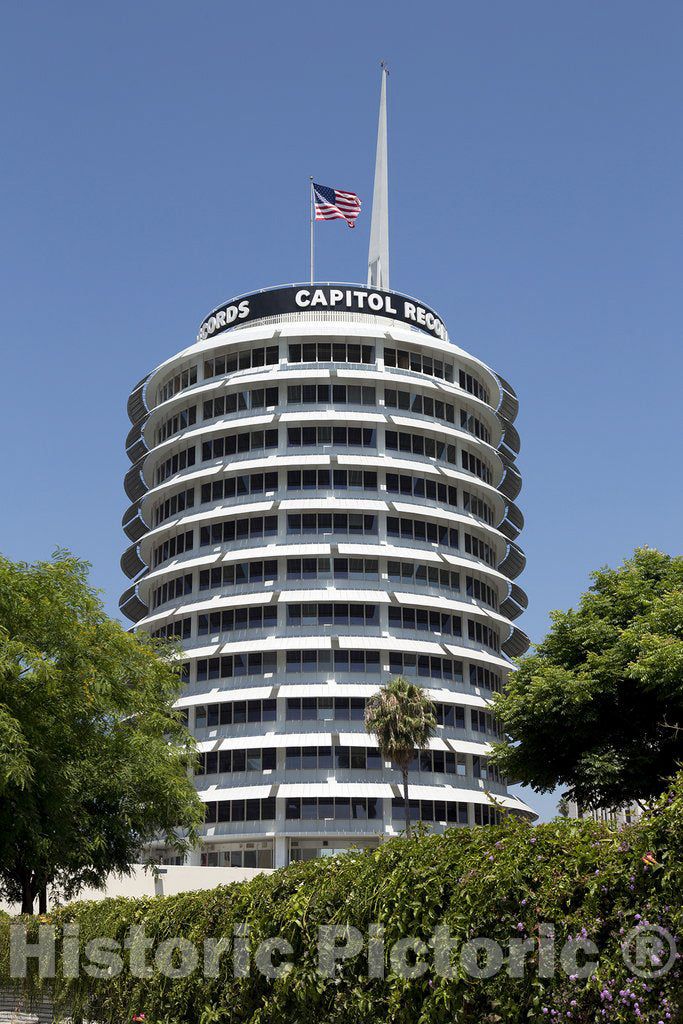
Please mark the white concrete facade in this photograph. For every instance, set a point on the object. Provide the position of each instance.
(321, 501)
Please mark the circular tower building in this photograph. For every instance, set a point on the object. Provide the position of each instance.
(323, 497)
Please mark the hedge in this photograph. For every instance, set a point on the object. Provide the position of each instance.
(587, 879)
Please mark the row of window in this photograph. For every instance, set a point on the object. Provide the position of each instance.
(327, 709)
(323, 352)
(325, 523)
(437, 762)
(340, 437)
(332, 613)
(446, 812)
(323, 479)
(481, 591)
(362, 663)
(238, 573)
(303, 394)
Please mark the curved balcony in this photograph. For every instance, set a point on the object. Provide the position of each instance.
(137, 406)
(517, 643)
(131, 605)
(513, 563)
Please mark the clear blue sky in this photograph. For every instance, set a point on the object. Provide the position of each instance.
(155, 160)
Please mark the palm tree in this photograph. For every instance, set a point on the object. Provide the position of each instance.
(402, 719)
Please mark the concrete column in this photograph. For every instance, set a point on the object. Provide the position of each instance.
(281, 851)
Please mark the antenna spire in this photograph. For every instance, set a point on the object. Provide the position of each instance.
(378, 255)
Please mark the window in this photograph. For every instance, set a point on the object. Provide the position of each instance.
(424, 620)
(428, 666)
(350, 437)
(485, 678)
(323, 394)
(485, 815)
(358, 662)
(175, 464)
(328, 352)
(228, 666)
(474, 426)
(451, 716)
(352, 523)
(337, 568)
(180, 381)
(424, 532)
(481, 591)
(177, 545)
(402, 573)
(181, 629)
(232, 444)
(478, 507)
(446, 812)
(483, 634)
(327, 808)
(332, 614)
(172, 506)
(183, 419)
(479, 548)
(177, 587)
(435, 408)
(484, 722)
(240, 401)
(475, 387)
(242, 359)
(324, 479)
(231, 619)
(241, 810)
(325, 709)
(254, 528)
(229, 761)
(412, 359)
(235, 713)
(238, 486)
(238, 574)
(419, 444)
(475, 465)
(421, 487)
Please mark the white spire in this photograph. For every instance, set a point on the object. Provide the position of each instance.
(378, 256)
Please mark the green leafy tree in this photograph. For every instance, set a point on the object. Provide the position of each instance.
(598, 707)
(94, 761)
(402, 719)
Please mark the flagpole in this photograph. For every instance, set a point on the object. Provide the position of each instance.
(311, 180)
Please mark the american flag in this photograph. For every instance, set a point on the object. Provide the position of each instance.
(334, 204)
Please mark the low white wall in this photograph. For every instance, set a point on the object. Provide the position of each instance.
(175, 878)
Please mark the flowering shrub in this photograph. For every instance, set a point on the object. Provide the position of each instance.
(589, 882)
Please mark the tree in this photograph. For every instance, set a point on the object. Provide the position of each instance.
(94, 761)
(599, 706)
(402, 718)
